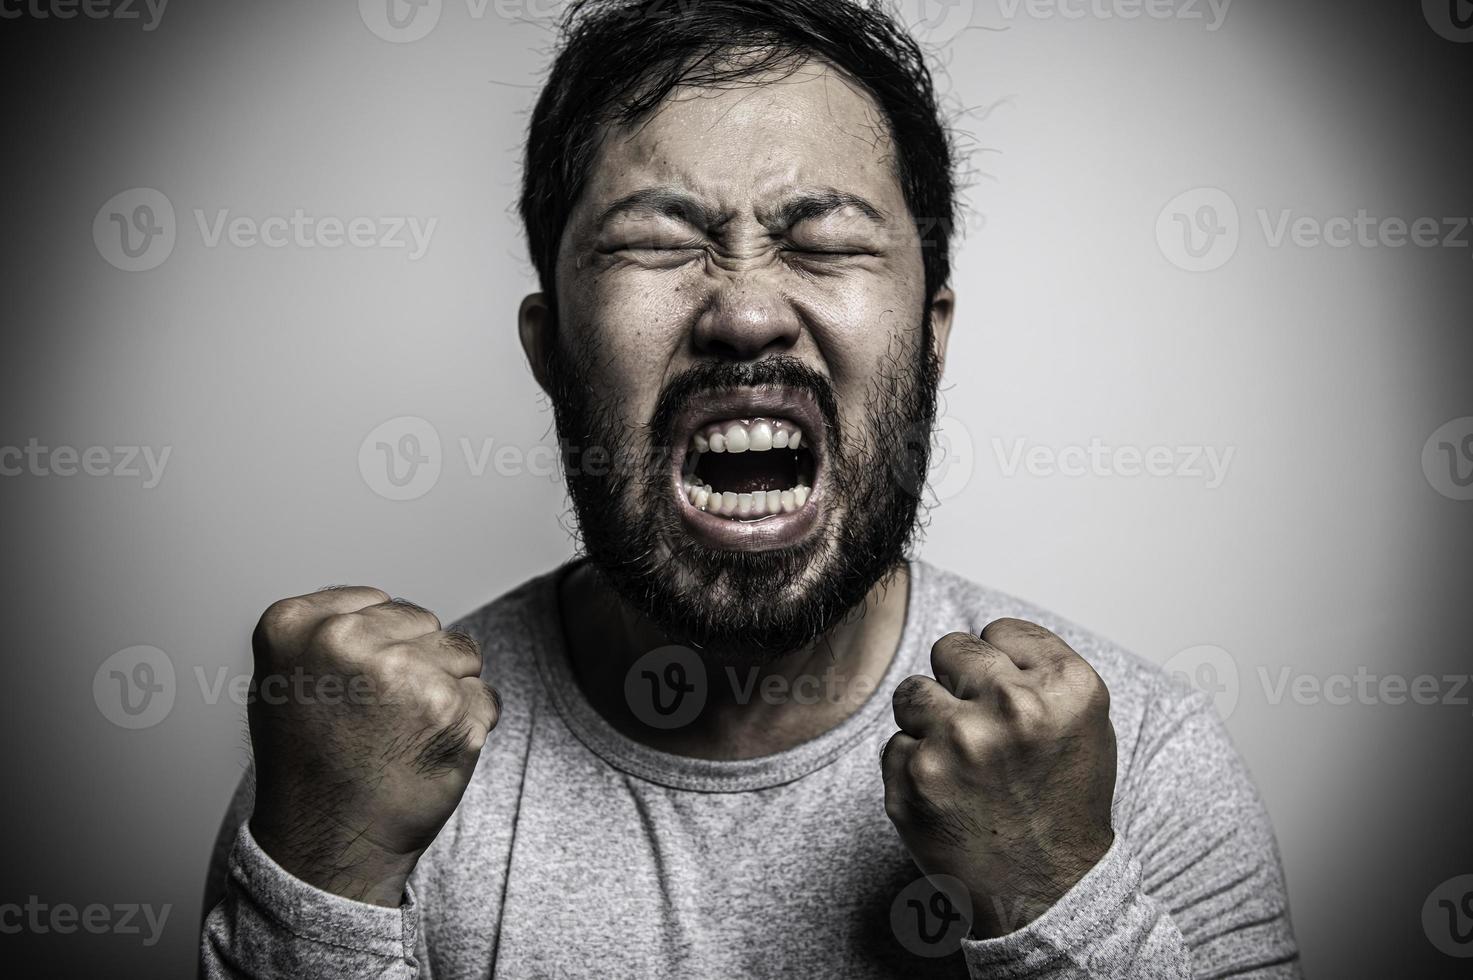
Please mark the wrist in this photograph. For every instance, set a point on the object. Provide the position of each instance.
(348, 866)
(1029, 893)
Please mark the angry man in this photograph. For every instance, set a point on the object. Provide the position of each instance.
(677, 756)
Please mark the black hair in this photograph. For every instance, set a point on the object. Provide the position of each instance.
(617, 60)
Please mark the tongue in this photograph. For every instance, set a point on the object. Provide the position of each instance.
(749, 472)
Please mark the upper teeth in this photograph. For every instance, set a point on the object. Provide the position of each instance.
(743, 435)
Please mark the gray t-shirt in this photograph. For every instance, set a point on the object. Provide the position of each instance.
(578, 852)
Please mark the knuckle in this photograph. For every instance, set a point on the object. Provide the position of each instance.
(923, 768)
(493, 696)
(276, 622)
(910, 691)
(413, 610)
(458, 639)
(1025, 711)
(1096, 693)
(394, 662)
(440, 703)
(1011, 626)
(339, 633)
(955, 638)
(968, 739)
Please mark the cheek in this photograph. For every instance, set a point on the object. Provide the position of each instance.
(635, 326)
(864, 330)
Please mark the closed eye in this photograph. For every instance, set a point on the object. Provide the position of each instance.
(828, 253)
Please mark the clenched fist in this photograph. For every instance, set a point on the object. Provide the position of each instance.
(1003, 771)
(355, 778)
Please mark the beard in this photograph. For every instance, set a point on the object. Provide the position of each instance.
(747, 607)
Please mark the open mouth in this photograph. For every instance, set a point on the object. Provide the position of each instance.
(749, 469)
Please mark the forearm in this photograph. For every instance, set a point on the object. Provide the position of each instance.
(270, 924)
(1192, 886)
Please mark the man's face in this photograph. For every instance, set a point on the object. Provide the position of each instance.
(741, 277)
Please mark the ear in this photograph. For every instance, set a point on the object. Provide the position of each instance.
(537, 327)
(943, 307)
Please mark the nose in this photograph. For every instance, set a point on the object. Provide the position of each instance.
(748, 317)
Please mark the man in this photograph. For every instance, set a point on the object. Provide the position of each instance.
(739, 212)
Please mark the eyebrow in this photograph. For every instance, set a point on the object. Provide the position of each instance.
(665, 201)
(674, 203)
(818, 204)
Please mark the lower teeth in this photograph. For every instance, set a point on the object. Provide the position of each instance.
(759, 503)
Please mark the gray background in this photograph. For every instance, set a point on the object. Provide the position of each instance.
(1326, 547)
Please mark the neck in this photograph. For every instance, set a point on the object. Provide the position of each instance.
(749, 708)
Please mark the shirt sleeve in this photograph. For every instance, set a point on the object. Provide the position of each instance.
(1192, 886)
(268, 923)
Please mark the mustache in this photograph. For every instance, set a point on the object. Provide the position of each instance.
(773, 371)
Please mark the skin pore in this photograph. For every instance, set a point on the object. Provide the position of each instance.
(756, 221)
